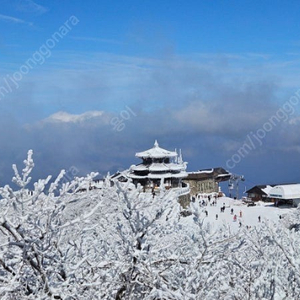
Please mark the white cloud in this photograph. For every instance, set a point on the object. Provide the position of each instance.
(96, 39)
(31, 6)
(206, 109)
(64, 117)
(14, 20)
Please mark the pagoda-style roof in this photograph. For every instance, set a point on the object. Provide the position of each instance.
(159, 167)
(156, 152)
(159, 176)
(140, 167)
(156, 167)
(167, 175)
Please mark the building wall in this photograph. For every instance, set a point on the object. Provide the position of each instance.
(255, 197)
(296, 202)
(202, 186)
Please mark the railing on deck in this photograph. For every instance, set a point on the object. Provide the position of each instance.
(184, 190)
(179, 190)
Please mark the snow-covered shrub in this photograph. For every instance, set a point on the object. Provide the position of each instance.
(65, 241)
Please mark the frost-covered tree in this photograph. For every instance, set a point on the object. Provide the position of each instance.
(34, 259)
(67, 241)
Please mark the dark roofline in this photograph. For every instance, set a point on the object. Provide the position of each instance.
(262, 186)
(219, 174)
(257, 188)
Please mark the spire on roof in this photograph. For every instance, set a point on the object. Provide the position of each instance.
(155, 144)
(179, 158)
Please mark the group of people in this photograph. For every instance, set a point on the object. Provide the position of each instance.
(209, 197)
(241, 213)
(222, 209)
(235, 219)
(208, 201)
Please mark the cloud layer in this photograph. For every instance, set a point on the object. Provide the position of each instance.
(96, 114)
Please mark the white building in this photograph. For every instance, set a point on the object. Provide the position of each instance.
(159, 168)
(289, 194)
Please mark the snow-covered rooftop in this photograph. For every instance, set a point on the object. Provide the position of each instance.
(267, 189)
(167, 175)
(158, 176)
(202, 171)
(159, 167)
(156, 152)
(140, 167)
(290, 191)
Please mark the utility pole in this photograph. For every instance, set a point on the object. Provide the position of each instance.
(234, 183)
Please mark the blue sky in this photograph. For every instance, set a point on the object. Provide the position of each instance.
(196, 75)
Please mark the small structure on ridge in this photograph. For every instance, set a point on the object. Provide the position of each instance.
(160, 168)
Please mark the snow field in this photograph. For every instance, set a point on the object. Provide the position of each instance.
(248, 216)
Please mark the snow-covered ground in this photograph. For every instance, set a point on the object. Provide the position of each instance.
(247, 216)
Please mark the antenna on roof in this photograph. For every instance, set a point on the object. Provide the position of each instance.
(180, 161)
